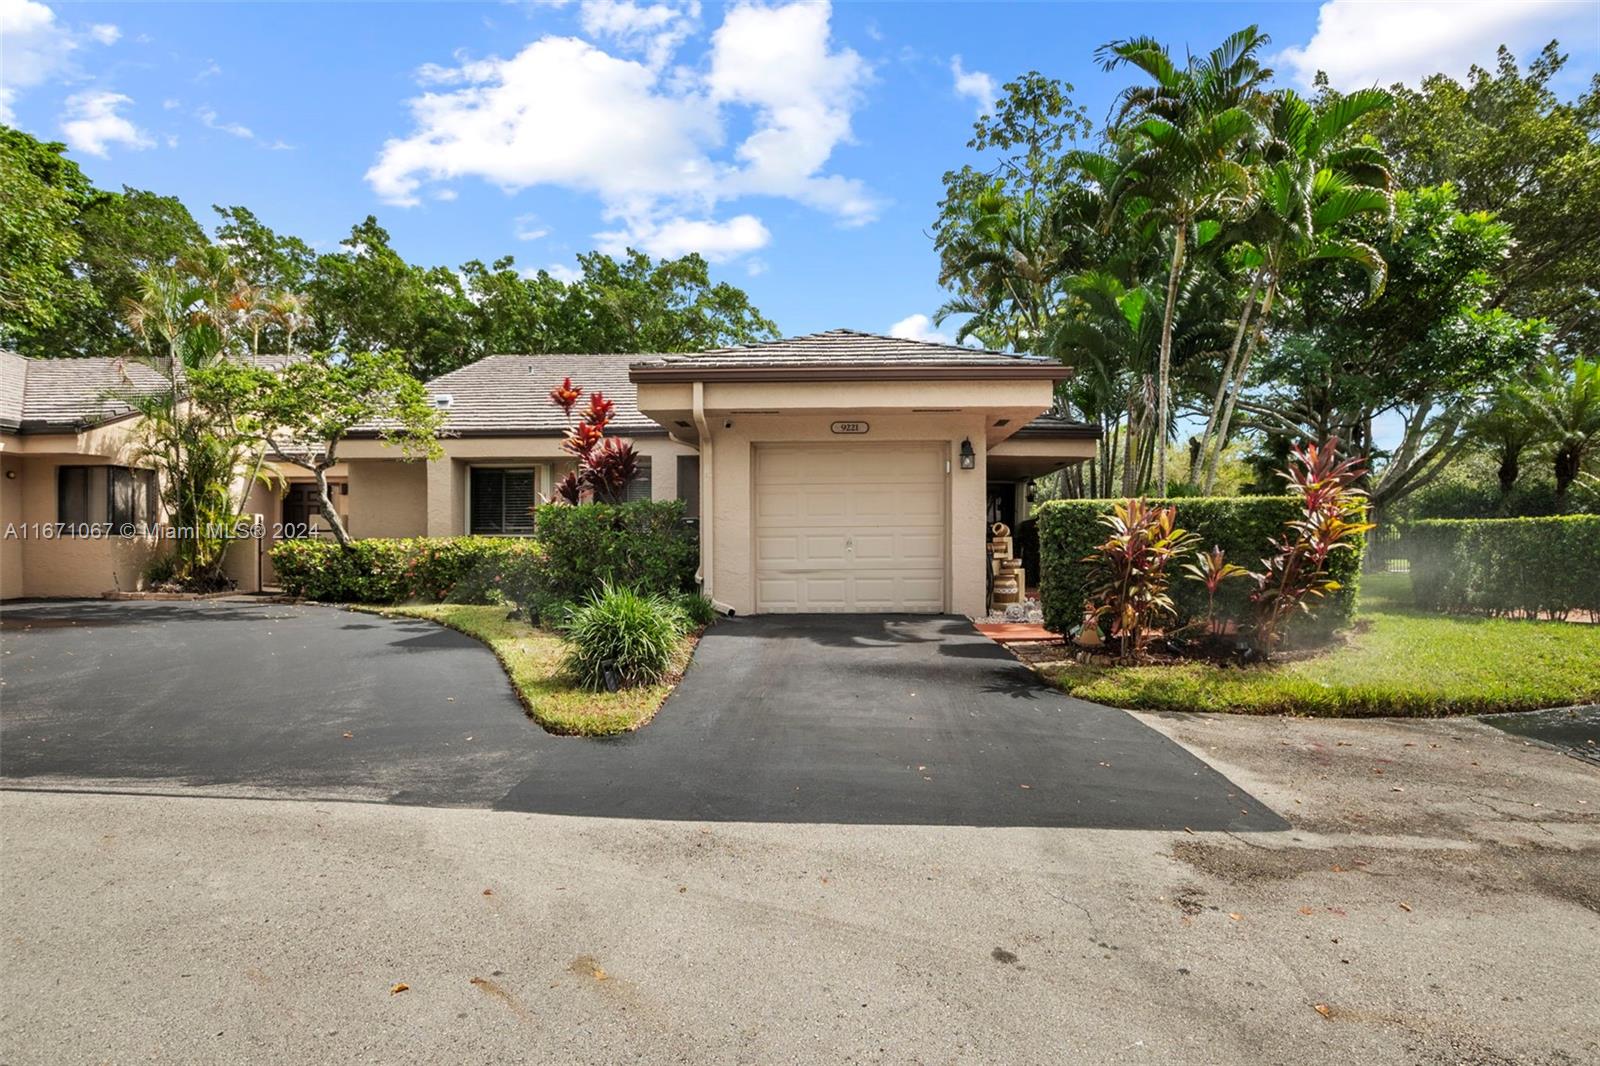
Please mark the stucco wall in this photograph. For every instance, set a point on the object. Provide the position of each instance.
(733, 533)
(388, 499)
(10, 526)
(69, 566)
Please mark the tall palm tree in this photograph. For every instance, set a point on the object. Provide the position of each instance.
(1185, 133)
(1310, 183)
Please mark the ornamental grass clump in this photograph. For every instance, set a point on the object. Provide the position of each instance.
(1131, 584)
(619, 638)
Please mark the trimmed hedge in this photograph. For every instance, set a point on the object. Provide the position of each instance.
(1506, 566)
(646, 546)
(378, 570)
(1243, 526)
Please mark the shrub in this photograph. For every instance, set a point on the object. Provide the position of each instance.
(1130, 570)
(1333, 513)
(379, 570)
(620, 638)
(697, 609)
(645, 545)
(1242, 526)
(1506, 566)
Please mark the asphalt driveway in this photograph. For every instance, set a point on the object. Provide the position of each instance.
(860, 719)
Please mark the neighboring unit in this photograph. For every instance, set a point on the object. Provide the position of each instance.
(840, 471)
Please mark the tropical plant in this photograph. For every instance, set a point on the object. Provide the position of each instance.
(1212, 569)
(1564, 404)
(1332, 518)
(206, 463)
(1185, 132)
(1310, 183)
(619, 638)
(605, 465)
(1130, 591)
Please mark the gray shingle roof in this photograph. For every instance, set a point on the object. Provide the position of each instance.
(509, 395)
(43, 395)
(1050, 424)
(843, 348)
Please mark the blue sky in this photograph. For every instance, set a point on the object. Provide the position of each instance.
(798, 146)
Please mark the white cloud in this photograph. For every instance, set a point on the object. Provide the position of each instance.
(649, 143)
(208, 119)
(919, 328)
(1363, 44)
(654, 30)
(91, 123)
(717, 241)
(975, 84)
(560, 271)
(7, 98)
(445, 195)
(779, 61)
(529, 229)
(105, 33)
(210, 70)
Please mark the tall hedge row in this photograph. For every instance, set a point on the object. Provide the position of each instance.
(1243, 526)
(645, 545)
(1506, 566)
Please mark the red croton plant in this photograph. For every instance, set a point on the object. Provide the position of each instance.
(1333, 515)
(605, 464)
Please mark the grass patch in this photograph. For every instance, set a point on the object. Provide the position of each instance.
(1399, 661)
(532, 660)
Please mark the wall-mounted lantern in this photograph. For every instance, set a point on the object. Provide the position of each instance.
(969, 458)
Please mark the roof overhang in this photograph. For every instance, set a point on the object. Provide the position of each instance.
(684, 372)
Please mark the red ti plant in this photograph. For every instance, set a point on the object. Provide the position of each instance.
(1131, 568)
(1211, 569)
(1333, 515)
(605, 464)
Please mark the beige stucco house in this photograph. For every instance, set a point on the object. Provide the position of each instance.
(838, 471)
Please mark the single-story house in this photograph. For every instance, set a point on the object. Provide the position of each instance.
(839, 471)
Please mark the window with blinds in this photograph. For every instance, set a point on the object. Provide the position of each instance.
(500, 501)
(118, 495)
(639, 487)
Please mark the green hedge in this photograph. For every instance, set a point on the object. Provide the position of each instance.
(1243, 526)
(457, 569)
(1514, 566)
(646, 546)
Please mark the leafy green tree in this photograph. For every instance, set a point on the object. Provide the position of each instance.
(1511, 145)
(42, 193)
(1430, 349)
(300, 413)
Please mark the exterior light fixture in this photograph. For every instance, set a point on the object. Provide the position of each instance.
(969, 458)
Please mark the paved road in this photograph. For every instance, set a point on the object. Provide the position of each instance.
(1574, 730)
(884, 720)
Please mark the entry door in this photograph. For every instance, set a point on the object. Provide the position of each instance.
(853, 527)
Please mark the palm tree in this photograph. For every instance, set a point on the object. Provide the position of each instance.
(1185, 133)
(1310, 184)
(1507, 425)
(1565, 404)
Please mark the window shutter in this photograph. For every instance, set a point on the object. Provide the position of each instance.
(488, 501)
(519, 501)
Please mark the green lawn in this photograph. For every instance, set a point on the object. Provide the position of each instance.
(532, 658)
(1401, 662)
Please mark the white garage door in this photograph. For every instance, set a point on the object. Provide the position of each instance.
(850, 527)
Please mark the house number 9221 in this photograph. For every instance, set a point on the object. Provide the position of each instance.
(850, 427)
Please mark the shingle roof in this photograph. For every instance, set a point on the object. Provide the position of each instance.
(41, 395)
(509, 395)
(847, 348)
(1050, 424)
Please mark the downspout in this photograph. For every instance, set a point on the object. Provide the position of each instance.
(703, 575)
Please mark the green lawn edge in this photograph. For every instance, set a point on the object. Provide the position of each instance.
(1396, 662)
(531, 658)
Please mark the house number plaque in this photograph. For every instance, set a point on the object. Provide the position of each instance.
(851, 427)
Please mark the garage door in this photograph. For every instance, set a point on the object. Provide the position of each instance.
(850, 527)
